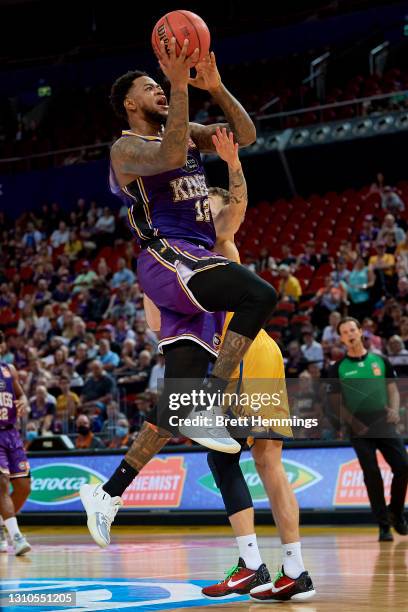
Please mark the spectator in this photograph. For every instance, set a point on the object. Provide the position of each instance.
(296, 362)
(104, 272)
(79, 333)
(389, 226)
(289, 286)
(390, 244)
(81, 359)
(383, 265)
(288, 259)
(137, 382)
(35, 373)
(370, 327)
(42, 408)
(113, 414)
(327, 299)
(31, 238)
(402, 293)
(358, 286)
(85, 438)
(347, 252)
(31, 434)
(67, 405)
(340, 274)
(105, 227)
(121, 437)
(98, 302)
(73, 246)
(108, 358)
(123, 276)
(120, 307)
(98, 389)
(398, 355)
(265, 261)
(368, 235)
(391, 202)
(403, 330)
(85, 279)
(62, 292)
(330, 331)
(309, 257)
(402, 247)
(122, 331)
(311, 349)
(60, 236)
(156, 375)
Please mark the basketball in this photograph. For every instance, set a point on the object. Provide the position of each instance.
(182, 25)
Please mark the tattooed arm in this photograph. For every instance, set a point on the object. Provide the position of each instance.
(136, 157)
(239, 122)
(231, 215)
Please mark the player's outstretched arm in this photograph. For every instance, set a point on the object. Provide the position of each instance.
(232, 215)
(239, 122)
(134, 156)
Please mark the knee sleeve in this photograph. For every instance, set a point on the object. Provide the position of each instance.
(230, 480)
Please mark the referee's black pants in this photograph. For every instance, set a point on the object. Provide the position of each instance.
(395, 454)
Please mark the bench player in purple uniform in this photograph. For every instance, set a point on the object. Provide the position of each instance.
(14, 467)
(158, 172)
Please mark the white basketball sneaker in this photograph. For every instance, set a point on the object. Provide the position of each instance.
(101, 510)
(3, 540)
(20, 545)
(210, 434)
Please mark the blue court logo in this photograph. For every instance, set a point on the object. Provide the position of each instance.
(108, 594)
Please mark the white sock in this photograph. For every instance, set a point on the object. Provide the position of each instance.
(248, 551)
(292, 559)
(12, 527)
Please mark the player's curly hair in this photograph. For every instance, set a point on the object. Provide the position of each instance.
(120, 89)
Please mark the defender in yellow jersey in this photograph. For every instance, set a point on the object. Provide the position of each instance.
(263, 364)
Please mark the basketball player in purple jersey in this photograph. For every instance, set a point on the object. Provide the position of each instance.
(14, 467)
(158, 172)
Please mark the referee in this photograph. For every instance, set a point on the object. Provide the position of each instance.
(370, 406)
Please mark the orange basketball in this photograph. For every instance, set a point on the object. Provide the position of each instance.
(182, 25)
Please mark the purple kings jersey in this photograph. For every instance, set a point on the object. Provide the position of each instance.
(8, 413)
(171, 204)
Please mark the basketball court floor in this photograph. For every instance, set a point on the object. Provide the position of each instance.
(164, 568)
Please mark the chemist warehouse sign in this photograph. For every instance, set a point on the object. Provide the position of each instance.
(322, 478)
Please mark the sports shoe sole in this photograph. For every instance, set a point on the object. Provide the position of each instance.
(298, 597)
(218, 445)
(23, 550)
(228, 596)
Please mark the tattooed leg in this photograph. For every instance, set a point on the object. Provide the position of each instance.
(232, 352)
(148, 443)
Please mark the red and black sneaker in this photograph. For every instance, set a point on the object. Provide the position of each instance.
(284, 588)
(239, 579)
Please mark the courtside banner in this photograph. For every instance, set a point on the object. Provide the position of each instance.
(322, 479)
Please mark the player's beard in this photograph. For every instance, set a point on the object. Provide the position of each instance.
(155, 117)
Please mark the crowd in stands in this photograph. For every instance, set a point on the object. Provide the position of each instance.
(72, 310)
(89, 120)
